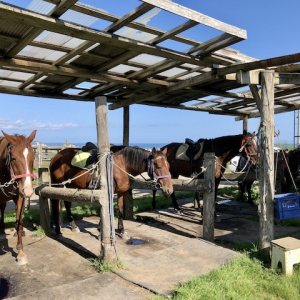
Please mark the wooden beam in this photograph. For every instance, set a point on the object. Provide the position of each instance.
(135, 13)
(260, 64)
(198, 17)
(57, 11)
(163, 90)
(85, 33)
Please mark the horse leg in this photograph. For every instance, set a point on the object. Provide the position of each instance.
(2, 226)
(175, 204)
(21, 258)
(121, 230)
(241, 191)
(153, 199)
(56, 208)
(249, 185)
(74, 227)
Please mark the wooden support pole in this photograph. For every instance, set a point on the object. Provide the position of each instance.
(245, 123)
(126, 126)
(107, 251)
(266, 162)
(128, 204)
(44, 202)
(209, 198)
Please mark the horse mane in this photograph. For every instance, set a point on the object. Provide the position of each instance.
(223, 143)
(134, 157)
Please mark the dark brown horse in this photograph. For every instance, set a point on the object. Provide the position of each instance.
(16, 173)
(128, 160)
(225, 148)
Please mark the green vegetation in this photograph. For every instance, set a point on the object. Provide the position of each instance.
(242, 278)
(101, 266)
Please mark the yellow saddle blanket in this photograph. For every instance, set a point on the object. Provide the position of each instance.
(80, 158)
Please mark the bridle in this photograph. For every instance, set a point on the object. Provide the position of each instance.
(12, 173)
(151, 172)
(245, 142)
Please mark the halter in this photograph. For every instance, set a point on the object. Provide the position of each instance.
(12, 173)
(245, 142)
(150, 165)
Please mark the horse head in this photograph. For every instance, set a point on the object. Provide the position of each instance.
(249, 147)
(160, 171)
(20, 159)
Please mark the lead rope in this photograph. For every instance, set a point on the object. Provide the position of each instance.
(110, 180)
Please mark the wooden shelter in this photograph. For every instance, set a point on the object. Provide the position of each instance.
(49, 53)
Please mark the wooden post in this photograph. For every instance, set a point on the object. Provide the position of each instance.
(209, 198)
(107, 250)
(126, 126)
(245, 123)
(39, 151)
(128, 203)
(266, 162)
(44, 203)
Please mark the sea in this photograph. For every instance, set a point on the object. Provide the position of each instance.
(79, 145)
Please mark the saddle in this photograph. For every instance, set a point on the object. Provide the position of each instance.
(190, 151)
(85, 159)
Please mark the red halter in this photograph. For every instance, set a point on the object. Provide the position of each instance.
(15, 177)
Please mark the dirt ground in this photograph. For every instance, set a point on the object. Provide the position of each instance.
(164, 249)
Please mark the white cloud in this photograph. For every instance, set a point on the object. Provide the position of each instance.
(21, 124)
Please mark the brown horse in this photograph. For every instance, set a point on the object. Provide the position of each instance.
(16, 173)
(127, 160)
(225, 148)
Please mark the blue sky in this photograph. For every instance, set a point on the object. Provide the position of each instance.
(272, 27)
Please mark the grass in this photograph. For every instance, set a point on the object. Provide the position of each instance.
(242, 278)
(104, 267)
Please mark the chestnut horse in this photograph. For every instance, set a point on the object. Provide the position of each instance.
(16, 173)
(225, 148)
(127, 161)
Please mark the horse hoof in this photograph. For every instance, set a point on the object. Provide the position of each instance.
(123, 235)
(22, 259)
(75, 229)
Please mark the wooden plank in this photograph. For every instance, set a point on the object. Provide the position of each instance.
(198, 17)
(182, 27)
(260, 64)
(178, 185)
(285, 78)
(57, 11)
(163, 90)
(135, 13)
(81, 32)
(67, 71)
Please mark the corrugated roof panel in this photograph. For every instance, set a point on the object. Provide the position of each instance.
(123, 69)
(40, 6)
(171, 72)
(41, 53)
(192, 74)
(15, 75)
(9, 83)
(147, 59)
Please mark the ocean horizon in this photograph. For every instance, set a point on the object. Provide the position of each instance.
(79, 145)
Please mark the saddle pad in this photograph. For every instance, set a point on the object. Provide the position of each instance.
(80, 158)
(181, 152)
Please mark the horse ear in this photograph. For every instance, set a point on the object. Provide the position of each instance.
(154, 152)
(165, 151)
(10, 138)
(32, 136)
(253, 134)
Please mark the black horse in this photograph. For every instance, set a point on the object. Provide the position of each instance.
(291, 170)
(246, 166)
